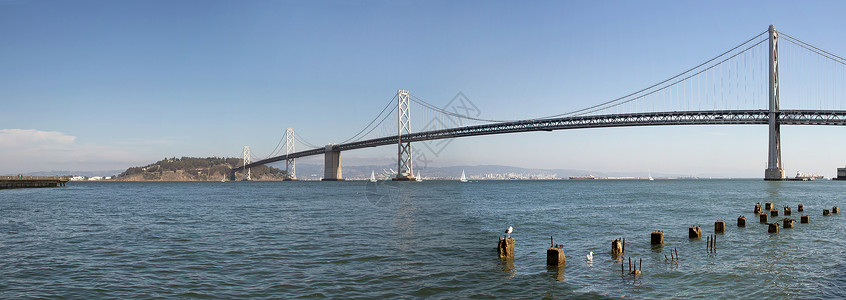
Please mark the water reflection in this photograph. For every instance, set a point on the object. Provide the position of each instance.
(773, 188)
(556, 272)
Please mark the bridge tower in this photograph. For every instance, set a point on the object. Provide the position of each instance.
(774, 168)
(290, 167)
(247, 161)
(405, 170)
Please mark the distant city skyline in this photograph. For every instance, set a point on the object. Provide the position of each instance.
(103, 85)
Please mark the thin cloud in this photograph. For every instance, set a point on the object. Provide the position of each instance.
(31, 150)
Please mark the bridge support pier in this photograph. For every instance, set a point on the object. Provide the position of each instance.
(332, 164)
(774, 169)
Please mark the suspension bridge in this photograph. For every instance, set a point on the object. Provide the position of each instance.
(742, 86)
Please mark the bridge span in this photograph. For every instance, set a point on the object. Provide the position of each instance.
(741, 86)
(724, 117)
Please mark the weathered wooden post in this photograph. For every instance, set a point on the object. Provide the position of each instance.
(787, 223)
(826, 212)
(774, 213)
(758, 209)
(694, 232)
(804, 219)
(506, 247)
(773, 228)
(800, 208)
(835, 210)
(555, 256)
(786, 211)
(741, 221)
(719, 226)
(616, 248)
(657, 237)
(768, 206)
(763, 218)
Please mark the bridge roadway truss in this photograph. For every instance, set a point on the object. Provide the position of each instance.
(716, 117)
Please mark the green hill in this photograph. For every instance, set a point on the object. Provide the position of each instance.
(196, 169)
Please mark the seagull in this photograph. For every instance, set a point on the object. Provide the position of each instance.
(590, 256)
(508, 231)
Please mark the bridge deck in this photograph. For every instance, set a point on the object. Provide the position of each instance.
(717, 117)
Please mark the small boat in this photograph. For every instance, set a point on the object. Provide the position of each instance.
(650, 175)
(372, 176)
(224, 178)
(463, 178)
(418, 179)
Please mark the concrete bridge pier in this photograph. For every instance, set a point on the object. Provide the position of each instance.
(332, 164)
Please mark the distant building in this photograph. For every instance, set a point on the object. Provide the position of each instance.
(841, 174)
(77, 178)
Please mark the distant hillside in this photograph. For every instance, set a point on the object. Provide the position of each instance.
(196, 169)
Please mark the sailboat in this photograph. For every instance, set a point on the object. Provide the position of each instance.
(418, 179)
(224, 178)
(372, 176)
(463, 178)
(650, 175)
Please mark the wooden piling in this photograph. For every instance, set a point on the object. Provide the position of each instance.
(786, 210)
(768, 206)
(624, 245)
(758, 209)
(505, 248)
(708, 243)
(616, 248)
(787, 223)
(657, 237)
(835, 210)
(763, 218)
(555, 256)
(741, 221)
(694, 232)
(773, 228)
(826, 212)
(804, 219)
(800, 208)
(719, 226)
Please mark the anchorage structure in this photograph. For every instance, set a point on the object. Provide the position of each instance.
(774, 168)
(290, 167)
(405, 170)
(247, 161)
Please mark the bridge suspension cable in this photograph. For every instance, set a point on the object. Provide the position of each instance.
(303, 141)
(813, 48)
(372, 121)
(689, 90)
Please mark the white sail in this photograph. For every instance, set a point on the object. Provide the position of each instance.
(418, 177)
(463, 178)
(650, 175)
(372, 176)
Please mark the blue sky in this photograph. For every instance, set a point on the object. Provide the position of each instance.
(101, 85)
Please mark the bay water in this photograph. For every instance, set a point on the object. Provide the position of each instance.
(431, 239)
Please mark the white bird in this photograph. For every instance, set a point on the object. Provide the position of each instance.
(590, 256)
(508, 231)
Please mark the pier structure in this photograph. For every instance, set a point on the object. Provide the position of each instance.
(19, 182)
